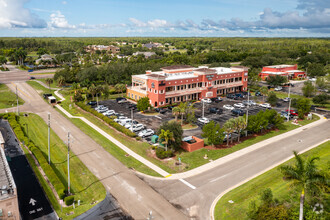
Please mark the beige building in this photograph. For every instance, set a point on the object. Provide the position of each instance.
(8, 192)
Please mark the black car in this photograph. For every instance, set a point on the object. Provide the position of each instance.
(246, 93)
(216, 100)
(32, 77)
(258, 93)
(121, 100)
(162, 110)
(92, 103)
(231, 96)
(215, 110)
(239, 112)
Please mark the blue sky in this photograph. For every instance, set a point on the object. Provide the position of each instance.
(182, 18)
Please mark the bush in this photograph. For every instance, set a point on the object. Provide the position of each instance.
(161, 153)
(62, 193)
(69, 200)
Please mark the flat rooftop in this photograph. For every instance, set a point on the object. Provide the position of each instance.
(7, 183)
(280, 66)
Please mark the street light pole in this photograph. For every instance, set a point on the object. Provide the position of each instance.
(17, 101)
(69, 163)
(289, 102)
(247, 111)
(132, 119)
(48, 138)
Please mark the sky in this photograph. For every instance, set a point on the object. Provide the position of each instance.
(164, 18)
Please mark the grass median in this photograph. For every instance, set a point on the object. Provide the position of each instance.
(8, 98)
(84, 185)
(273, 179)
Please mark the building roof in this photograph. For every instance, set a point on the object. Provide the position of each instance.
(280, 66)
(176, 67)
(6, 179)
(205, 70)
(2, 141)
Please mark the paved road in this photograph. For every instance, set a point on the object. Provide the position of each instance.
(31, 198)
(16, 75)
(134, 195)
(196, 203)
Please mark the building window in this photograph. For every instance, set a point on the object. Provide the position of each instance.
(155, 91)
(135, 96)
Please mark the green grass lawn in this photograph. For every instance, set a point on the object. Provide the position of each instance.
(251, 190)
(8, 98)
(84, 185)
(52, 85)
(41, 89)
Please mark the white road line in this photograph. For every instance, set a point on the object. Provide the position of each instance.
(188, 184)
(158, 117)
(218, 178)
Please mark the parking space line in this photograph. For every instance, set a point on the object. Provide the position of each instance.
(188, 184)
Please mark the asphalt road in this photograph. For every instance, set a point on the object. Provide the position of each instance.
(31, 198)
(16, 75)
(196, 203)
(134, 195)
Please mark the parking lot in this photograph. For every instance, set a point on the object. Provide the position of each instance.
(154, 121)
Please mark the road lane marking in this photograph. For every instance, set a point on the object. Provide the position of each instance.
(188, 184)
(218, 178)
(158, 117)
(21, 90)
(168, 175)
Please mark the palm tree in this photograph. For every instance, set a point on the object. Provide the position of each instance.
(229, 128)
(92, 90)
(304, 176)
(60, 81)
(239, 125)
(167, 136)
(49, 81)
(176, 112)
(120, 87)
(263, 91)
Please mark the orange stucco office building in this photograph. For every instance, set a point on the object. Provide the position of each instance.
(182, 83)
(290, 71)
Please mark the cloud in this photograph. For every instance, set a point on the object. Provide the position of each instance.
(64, 2)
(14, 15)
(58, 20)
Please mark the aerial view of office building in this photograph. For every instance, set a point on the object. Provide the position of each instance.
(290, 71)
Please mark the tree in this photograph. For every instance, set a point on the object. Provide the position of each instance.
(143, 104)
(166, 136)
(303, 107)
(305, 177)
(182, 107)
(321, 82)
(177, 131)
(41, 51)
(20, 56)
(276, 80)
(214, 134)
(321, 99)
(176, 112)
(264, 92)
(49, 81)
(239, 124)
(120, 88)
(229, 128)
(308, 89)
(272, 98)
(316, 69)
(3, 60)
(190, 113)
(106, 91)
(92, 90)
(60, 81)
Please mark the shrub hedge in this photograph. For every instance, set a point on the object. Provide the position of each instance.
(106, 119)
(161, 153)
(69, 200)
(53, 178)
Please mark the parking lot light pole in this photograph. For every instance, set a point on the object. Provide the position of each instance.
(247, 112)
(132, 119)
(69, 163)
(289, 102)
(48, 138)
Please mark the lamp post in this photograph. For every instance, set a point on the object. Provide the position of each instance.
(69, 163)
(247, 111)
(48, 138)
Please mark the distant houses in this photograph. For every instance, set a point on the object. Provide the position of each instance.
(145, 54)
(43, 58)
(152, 45)
(111, 48)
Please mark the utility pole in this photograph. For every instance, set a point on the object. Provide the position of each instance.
(247, 111)
(203, 109)
(97, 100)
(49, 138)
(289, 102)
(132, 119)
(17, 101)
(69, 163)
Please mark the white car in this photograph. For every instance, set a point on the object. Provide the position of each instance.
(120, 118)
(228, 107)
(286, 99)
(99, 107)
(239, 105)
(102, 110)
(279, 88)
(128, 125)
(265, 105)
(207, 101)
(137, 127)
(250, 102)
(146, 133)
(125, 121)
(203, 120)
(109, 112)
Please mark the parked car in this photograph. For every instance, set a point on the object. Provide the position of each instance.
(125, 121)
(92, 103)
(120, 118)
(121, 100)
(46, 95)
(250, 102)
(257, 93)
(99, 107)
(109, 113)
(231, 96)
(128, 125)
(239, 95)
(203, 120)
(246, 93)
(285, 115)
(30, 70)
(292, 112)
(239, 105)
(137, 127)
(208, 101)
(32, 77)
(146, 133)
(265, 105)
(216, 100)
(163, 111)
(278, 88)
(215, 110)
(228, 107)
(236, 111)
(286, 99)
(102, 110)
